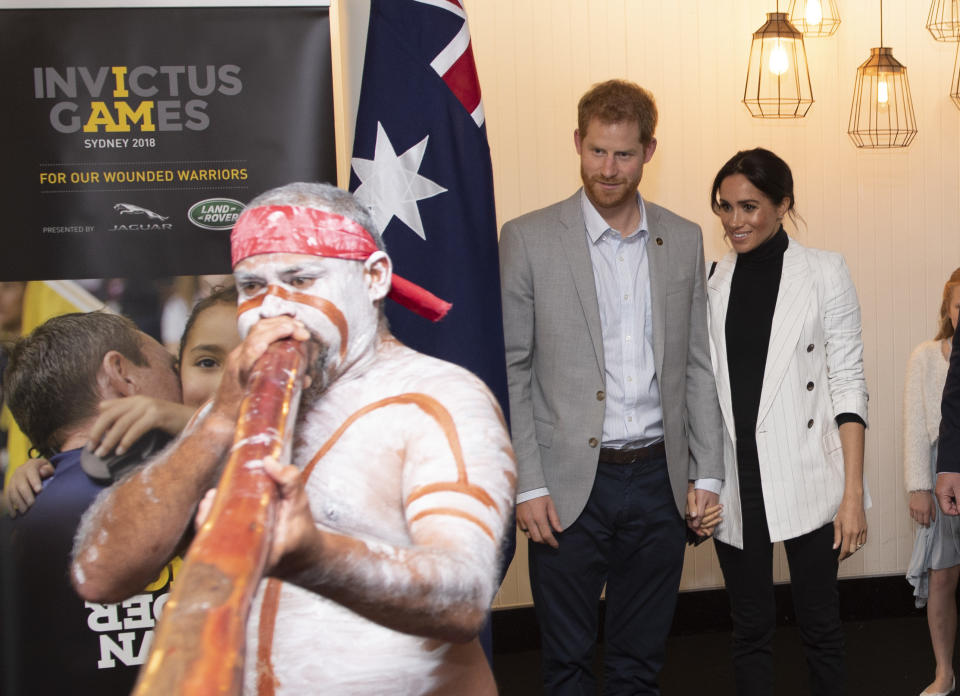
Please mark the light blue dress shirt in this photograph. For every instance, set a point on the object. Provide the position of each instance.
(632, 413)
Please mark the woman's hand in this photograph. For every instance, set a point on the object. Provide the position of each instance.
(124, 421)
(923, 507)
(703, 510)
(849, 526)
(25, 484)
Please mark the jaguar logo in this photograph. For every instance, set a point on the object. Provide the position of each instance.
(130, 209)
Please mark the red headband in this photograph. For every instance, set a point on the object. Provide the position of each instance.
(276, 229)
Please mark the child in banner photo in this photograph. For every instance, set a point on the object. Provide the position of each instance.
(208, 338)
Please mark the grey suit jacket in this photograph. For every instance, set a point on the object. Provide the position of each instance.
(554, 346)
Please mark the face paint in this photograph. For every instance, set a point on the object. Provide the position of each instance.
(273, 229)
(329, 296)
(327, 308)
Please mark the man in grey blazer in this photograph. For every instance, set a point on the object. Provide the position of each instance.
(613, 404)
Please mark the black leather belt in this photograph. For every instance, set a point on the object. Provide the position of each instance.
(609, 455)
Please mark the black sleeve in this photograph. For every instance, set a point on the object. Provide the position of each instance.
(850, 418)
(948, 455)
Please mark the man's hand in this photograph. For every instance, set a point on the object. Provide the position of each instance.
(124, 421)
(25, 483)
(294, 531)
(538, 519)
(923, 507)
(240, 362)
(948, 487)
(849, 527)
(295, 534)
(703, 510)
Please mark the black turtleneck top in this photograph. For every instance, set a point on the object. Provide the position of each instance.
(753, 298)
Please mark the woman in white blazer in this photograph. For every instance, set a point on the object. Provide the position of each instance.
(935, 564)
(786, 346)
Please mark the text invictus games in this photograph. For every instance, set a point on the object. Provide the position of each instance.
(168, 98)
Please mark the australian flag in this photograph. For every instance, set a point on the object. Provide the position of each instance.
(421, 163)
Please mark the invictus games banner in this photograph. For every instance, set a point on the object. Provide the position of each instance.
(135, 136)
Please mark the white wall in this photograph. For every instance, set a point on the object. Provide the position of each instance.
(893, 214)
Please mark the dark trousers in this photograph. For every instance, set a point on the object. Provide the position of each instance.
(630, 536)
(748, 575)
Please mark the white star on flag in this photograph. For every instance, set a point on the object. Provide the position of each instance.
(390, 185)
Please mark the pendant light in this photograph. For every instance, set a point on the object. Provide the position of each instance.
(814, 17)
(778, 79)
(881, 115)
(944, 20)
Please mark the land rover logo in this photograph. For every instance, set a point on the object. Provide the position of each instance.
(215, 213)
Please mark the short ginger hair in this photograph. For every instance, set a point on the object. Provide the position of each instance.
(616, 101)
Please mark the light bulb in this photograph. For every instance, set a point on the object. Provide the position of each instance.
(814, 12)
(778, 60)
(882, 95)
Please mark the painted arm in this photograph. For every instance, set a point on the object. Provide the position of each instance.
(136, 525)
(440, 584)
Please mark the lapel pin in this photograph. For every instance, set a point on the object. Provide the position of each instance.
(659, 241)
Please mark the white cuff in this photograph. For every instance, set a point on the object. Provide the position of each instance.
(530, 495)
(709, 484)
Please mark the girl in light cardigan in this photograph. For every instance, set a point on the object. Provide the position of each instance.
(935, 564)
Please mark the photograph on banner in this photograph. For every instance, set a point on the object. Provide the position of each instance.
(136, 135)
(192, 317)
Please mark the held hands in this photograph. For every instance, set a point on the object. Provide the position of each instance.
(923, 507)
(25, 483)
(703, 510)
(849, 527)
(538, 519)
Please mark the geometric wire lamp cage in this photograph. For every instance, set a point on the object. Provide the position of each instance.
(944, 20)
(955, 83)
(881, 115)
(814, 17)
(778, 79)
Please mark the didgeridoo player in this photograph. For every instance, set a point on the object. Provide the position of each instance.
(383, 560)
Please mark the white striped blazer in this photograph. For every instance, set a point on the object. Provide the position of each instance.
(814, 371)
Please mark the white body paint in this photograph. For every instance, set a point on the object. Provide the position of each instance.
(446, 539)
(359, 489)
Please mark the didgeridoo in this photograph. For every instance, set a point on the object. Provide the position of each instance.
(199, 643)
